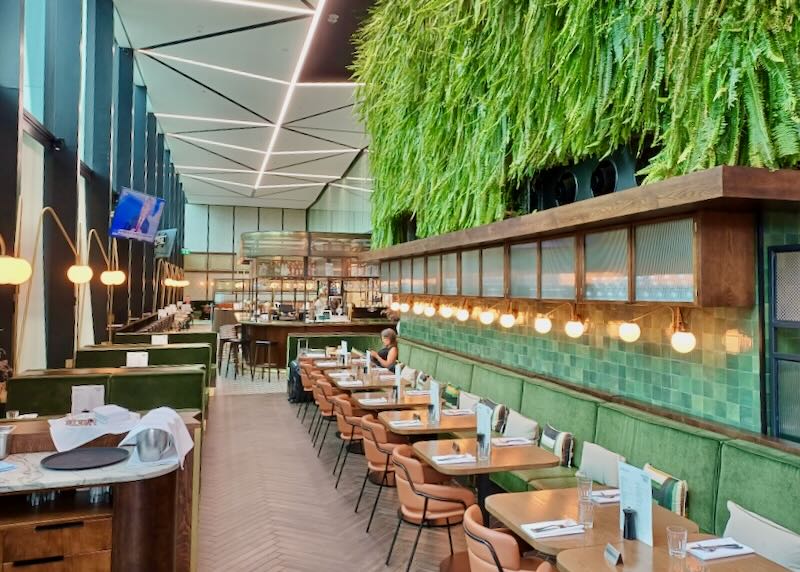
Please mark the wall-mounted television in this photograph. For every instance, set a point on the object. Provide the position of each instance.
(137, 216)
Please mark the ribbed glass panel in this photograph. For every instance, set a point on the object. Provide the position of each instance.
(450, 274)
(523, 260)
(434, 275)
(418, 281)
(394, 276)
(405, 276)
(789, 399)
(607, 265)
(385, 274)
(558, 269)
(787, 286)
(470, 273)
(493, 272)
(665, 261)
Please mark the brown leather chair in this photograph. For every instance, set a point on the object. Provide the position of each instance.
(308, 386)
(425, 498)
(348, 422)
(379, 444)
(315, 376)
(325, 393)
(496, 549)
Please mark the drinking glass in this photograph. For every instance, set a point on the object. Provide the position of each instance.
(12, 414)
(586, 513)
(484, 446)
(584, 486)
(676, 541)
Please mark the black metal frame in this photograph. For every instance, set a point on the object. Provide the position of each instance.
(774, 324)
(384, 476)
(349, 441)
(488, 545)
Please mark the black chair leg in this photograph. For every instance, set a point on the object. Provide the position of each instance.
(361, 494)
(449, 536)
(324, 435)
(313, 420)
(416, 540)
(346, 453)
(339, 456)
(394, 539)
(305, 411)
(317, 430)
(377, 498)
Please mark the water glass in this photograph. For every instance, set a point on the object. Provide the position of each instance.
(484, 446)
(676, 541)
(12, 413)
(584, 486)
(586, 513)
(431, 413)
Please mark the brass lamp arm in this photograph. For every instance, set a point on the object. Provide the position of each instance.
(93, 233)
(52, 213)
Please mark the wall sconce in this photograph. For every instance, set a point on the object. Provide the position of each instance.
(682, 340)
(13, 269)
(108, 277)
(404, 307)
(394, 306)
(446, 311)
(418, 308)
(463, 312)
(430, 310)
(487, 316)
(542, 324)
(574, 328)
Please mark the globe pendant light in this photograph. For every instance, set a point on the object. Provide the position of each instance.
(418, 308)
(446, 311)
(629, 331)
(79, 273)
(683, 342)
(430, 310)
(508, 320)
(14, 271)
(574, 328)
(395, 306)
(462, 315)
(542, 324)
(404, 307)
(487, 316)
(112, 277)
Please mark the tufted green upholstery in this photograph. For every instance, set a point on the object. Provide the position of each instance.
(423, 359)
(686, 452)
(49, 391)
(210, 338)
(454, 371)
(497, 385)
(760, 479)
(361, 342)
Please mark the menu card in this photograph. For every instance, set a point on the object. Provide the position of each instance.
(398, 380)
(87, 397)
(636, 493)
(136, 359)
(436, 404)
(159, 339)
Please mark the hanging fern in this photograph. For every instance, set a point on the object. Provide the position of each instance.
(463, 99)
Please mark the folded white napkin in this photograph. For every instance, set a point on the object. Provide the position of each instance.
(318, 355)
(110, 414)
(705, 549)
(511, 441)
(455, 459)
(387, 378)
(417, 392)
(609, 496)
(350, 383)
(66, 437)
(457, 412)
(373, 400)
(167, 420)
(549, 528)
(406, 423)
(340, 374)
(326, 363)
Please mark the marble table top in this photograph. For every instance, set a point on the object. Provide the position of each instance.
(31, 476)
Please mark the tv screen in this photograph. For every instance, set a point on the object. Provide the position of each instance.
(137, 216)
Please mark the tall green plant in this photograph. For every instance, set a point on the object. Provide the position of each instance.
(465, 98)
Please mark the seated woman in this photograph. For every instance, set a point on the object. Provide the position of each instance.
(387, 355)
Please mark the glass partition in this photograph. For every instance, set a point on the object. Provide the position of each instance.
(405, 276)
(450, 274)
(470, 273)
(434, 285)
(607, 266)
(665, 261)
(418, 276)
(558, 269)
(524, 260)
(385, 277)
(493, 272)
(394, 276)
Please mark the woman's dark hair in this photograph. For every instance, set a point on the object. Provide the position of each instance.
(391, 335)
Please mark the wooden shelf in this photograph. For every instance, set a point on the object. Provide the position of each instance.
(720, 188)
(68, 506)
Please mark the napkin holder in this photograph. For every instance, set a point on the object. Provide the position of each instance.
(629, 524)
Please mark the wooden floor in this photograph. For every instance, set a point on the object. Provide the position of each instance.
(268, 503)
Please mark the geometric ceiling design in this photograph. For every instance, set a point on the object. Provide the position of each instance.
(253, 95)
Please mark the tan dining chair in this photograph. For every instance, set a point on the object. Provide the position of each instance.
(315, 376)
(496, 549)
(326, 393)
(426, 498)
(348, 423)
(379, 444)
(308, 387)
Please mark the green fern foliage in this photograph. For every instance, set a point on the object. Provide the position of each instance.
(463, 99)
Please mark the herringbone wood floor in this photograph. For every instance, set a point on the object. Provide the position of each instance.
(269, 504)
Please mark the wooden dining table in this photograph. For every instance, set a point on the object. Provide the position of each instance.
(639, 557)
(516, 509)
(507, 458)
(446, 424)
(391, 403)
(364, 384)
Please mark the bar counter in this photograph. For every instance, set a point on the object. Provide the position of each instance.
(278, 332)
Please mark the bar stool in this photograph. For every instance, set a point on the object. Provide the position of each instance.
(260, 347)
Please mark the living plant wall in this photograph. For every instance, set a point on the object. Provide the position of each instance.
(463, 99)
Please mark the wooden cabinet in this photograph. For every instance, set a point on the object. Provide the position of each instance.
(94, 562)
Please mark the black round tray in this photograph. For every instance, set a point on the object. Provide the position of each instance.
(86, 458)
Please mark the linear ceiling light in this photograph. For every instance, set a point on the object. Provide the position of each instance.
(292, 86)
(213, 119)
(351, 188)
(242, 73)
(217, 143)
(213, 169)
(266, 6)
(213, 180)
(329, 84)
(307, 175)
(315, 152)
(290, 186)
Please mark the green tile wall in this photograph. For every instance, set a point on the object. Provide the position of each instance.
(711, 382)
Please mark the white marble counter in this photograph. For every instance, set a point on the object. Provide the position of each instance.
(31, 476)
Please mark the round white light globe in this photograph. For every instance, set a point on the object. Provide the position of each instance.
(574, 328)
(508, 320)
(542, 324)
(683, 342)
(629, 331)
(462, 315)
(79, 274)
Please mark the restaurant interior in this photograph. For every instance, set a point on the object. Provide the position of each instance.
(399, 285)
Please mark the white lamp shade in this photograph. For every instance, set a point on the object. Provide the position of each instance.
(462, 315)
(79, 274)
(14, 270)
(683, 342)
(574, 328)
(508, 320)
(486, 317)
(542, 324)
(629, 331)
(430, 310)
(395, 306)
(112, 277)
(418, 308)
(446, 311)
(404, 307)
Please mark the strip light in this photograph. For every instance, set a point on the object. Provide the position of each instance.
(242, 73)
(213, 169)
(316, 152)
(266, 6)
(351, 188)
(213, 119)
(210, 142)
(292, 86)
(213, 180)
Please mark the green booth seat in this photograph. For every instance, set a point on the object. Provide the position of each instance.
(172, 354)
(211, 338)
(686, 452)
(355, 341)
(497, 385)
(761, 479)
(457, 372)
(49, 392)
(423, 359)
